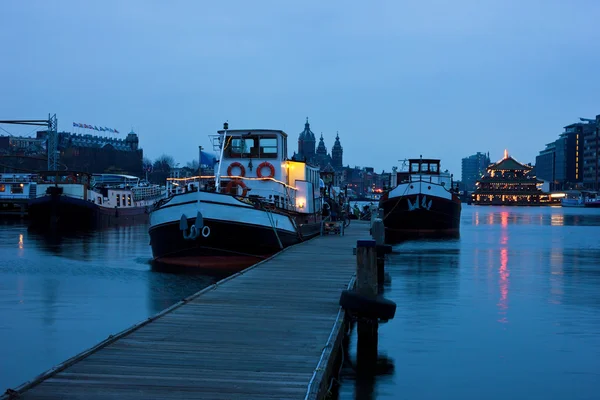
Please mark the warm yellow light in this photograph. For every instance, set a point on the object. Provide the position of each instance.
(300, 202)
(237, 177)
(557, 195)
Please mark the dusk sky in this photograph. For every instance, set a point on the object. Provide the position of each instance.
(397, 79)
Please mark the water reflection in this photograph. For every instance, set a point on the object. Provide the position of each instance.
(504, 273)
(62, 293)
(517, 292)
(553, 216)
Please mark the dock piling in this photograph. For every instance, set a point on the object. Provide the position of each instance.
(366, 285)
(378, 234)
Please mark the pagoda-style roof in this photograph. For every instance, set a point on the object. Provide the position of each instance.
(509, 163)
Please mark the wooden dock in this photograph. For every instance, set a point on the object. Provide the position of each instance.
(272, 331)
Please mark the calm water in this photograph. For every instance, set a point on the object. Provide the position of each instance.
(511, 310)
(62, 295)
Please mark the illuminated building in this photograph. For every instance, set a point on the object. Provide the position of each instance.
(509, 182)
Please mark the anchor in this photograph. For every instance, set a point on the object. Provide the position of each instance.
(195, 230)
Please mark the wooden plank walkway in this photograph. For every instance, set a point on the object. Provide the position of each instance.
(269, 332)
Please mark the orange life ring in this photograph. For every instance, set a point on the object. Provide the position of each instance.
(70, 179)
(239, 183)
(240, 166)
(267, 165)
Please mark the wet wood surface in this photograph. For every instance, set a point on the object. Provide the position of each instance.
(269, 332)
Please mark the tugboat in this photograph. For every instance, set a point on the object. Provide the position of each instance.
(422, 202)
(263, 203)
(78, 200)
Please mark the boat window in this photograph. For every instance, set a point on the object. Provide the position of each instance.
(240, 147)
(129, 200)
(434, 168)
(99, 200)
(118, 200)
(414, 167)
(268, 147)
(16, 189)
(424, 167)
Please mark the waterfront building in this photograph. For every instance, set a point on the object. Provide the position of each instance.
(591, 153)
(473, 168)
(569, 158)
(509, 182)
(545, 164)
(563, 162)
(99, 154)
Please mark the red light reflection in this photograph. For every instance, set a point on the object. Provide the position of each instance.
(504, 274)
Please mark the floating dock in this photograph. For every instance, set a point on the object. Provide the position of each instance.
(272, 331)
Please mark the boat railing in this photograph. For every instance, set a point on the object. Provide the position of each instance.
(206, 183)
(15, 196)
(18, 179)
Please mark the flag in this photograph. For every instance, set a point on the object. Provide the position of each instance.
(101, 129)
(116, 131)
(107, 129)
(75, 124)
(80, 125)
(96, 128)
(207, 159)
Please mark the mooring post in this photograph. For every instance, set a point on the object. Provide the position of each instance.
(366, 285)
(378, 234)
(373, 209)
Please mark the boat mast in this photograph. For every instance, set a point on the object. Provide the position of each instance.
(218, 174)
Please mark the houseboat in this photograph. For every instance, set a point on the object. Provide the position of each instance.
(421, 202)
(15, 191)
(256, 203)
(71, 199)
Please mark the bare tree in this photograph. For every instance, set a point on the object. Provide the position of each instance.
(193, 165)
(147, 164)
(164, 163)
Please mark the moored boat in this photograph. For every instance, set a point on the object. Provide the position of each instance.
(256, 203)
(78, 200)
(15, 191)
(422, 202)
(592, 200)
(573, 198)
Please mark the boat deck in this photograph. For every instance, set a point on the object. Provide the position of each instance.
(269, 332)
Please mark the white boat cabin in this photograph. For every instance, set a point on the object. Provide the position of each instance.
(423, 170)
(17, 186)
(254, 164)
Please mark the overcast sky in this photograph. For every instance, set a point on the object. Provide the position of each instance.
(397, 79)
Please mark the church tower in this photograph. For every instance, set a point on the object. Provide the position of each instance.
(321, 153)
(337, 153)
(307, 143)
(321, 149)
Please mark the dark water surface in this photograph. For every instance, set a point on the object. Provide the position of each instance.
(510, 310)
(62, 295)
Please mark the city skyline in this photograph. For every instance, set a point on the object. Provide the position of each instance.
(395, 80)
